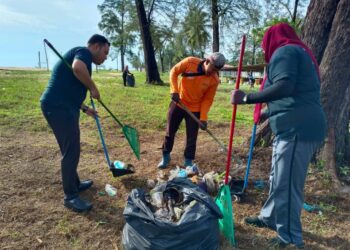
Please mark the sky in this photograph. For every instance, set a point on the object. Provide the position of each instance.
(65, 23)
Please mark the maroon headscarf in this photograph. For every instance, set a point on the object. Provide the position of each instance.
(280, 35)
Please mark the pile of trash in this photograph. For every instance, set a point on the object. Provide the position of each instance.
(175, 214)
(209, 182)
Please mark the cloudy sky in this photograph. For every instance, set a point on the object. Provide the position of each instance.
(25, 23)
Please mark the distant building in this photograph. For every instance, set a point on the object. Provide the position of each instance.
(228, 73)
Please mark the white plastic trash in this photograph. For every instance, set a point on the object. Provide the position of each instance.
(110, 190)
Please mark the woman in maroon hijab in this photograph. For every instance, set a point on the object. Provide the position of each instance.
(292, 94)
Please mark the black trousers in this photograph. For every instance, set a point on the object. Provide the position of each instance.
(124, 79)
(64, 123)
(175, 117)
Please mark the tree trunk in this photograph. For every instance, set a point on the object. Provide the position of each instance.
(295, 11)
(152, 74)
(215, 22)
(122, 47)
(329, 37)
(316, 30)
(161, 57)
(122, 56)
(263, 134)
(253, 52)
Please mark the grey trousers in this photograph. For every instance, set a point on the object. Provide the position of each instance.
(282, 210)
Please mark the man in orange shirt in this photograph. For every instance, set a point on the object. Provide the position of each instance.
(196, 90)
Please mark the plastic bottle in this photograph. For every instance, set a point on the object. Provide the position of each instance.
(110, 190)
(182, 173)
(119, 165)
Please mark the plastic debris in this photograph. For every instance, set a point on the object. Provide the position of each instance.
(110, 190)
(312, 208)
(102, 193)
(151, 183)
(259, 184)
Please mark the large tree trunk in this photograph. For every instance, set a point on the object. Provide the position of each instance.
(317, 25)
(329, 38)
(152, 74)
(215, 22)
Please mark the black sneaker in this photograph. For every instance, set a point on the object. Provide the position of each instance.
(78, 205)
(277, 243)
(256, 222)
(84, 185)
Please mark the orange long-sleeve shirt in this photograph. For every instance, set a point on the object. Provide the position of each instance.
(196, 92)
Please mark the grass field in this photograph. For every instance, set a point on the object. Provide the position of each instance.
(129, 103)
(31, 212)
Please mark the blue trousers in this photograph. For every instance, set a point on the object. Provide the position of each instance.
(282, 210)
(64, 123)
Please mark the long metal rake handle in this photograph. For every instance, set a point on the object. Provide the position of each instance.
(200, 124)
(57, 53)
(110, 112)
(101, 135)
(234, 110)
(250, 156)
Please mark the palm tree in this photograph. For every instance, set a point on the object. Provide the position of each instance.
(195, 28)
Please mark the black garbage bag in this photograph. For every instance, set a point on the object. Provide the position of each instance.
(130, 80)
(197, 228)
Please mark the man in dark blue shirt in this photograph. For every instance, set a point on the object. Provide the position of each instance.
(60, 104)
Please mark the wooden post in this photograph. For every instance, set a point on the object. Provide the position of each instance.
(47, 60)
(39, 60)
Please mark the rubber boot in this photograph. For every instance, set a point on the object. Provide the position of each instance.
(188, 162)
(164, 163)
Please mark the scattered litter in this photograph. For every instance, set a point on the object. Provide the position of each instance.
(177, 172)
(100, 222)
(312, 208)
(259, 184)
(192, 170)
(161, 176)
(178, 212)
(151, 183)
(102, 193)
(39, 240)
(110, 190)
(213, 181)
(195, 179)
(182, 173)
(123, 165)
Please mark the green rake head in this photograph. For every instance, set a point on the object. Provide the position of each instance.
(133, 138)
(224, 202)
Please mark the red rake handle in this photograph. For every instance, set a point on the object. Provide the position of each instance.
(233, 121)
(258, 106)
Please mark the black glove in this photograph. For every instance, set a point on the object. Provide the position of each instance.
(175, 97)
(204, 125)
(238, 97)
